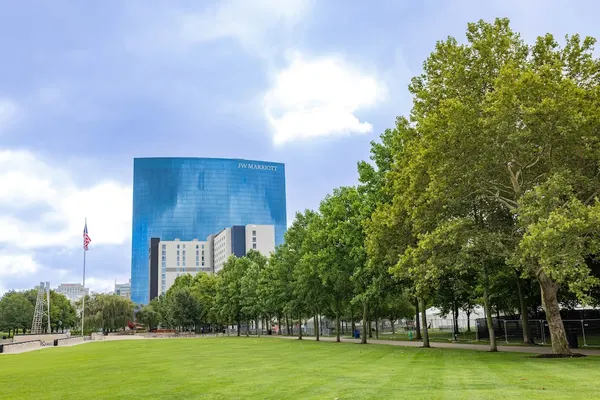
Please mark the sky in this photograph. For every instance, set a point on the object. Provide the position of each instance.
(87, 86)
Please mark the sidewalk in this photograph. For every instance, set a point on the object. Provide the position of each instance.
(464, 346)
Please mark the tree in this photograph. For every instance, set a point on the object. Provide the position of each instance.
(276, 287)
(108, 312)
(295, 260)
(339, 240)
(148, 315)
(561, 233)
(16, 312)
(229, 301)
(204, 288)
(63, 314)
(184, 306)
(252, 305)
(396, 306)
(390, 226)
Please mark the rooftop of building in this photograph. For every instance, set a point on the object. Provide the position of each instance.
(207, 159)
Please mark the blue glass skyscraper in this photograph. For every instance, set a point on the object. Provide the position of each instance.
(189, 198)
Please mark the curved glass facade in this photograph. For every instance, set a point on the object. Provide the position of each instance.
(189, 198)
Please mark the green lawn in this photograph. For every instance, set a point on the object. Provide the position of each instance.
(269, 368)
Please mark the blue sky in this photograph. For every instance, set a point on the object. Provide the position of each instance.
(85, 88)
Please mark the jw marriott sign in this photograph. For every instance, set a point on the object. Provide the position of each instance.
(258, 166)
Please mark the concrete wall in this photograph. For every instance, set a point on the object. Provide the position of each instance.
(46, 338)
(70, 341)
(19, 347)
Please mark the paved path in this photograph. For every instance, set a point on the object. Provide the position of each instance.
(465, 346)
(47, 346)
(439, 345)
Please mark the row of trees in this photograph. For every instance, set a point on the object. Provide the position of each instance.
(17, 308)
(260, 291)
(106, 312)
(494, 175)
(487, 193)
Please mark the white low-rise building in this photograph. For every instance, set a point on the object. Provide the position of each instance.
(72, 291)
(176, 257)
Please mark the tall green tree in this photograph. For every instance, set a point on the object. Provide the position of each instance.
(340, 243)
(252, 304)
(229, 292)
(204, 288)
(63, 314)
(16, 312)
(108, 312)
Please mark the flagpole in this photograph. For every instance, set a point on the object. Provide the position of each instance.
(83, 303)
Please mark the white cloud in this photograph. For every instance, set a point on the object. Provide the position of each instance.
(245, 20)
(17, 265)
(55, 207)
(318, 98)
(8, 111)
(100, 285)
(250, 22)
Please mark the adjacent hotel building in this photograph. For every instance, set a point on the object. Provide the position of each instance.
(208, 202)
(169, 259)
(72, 291)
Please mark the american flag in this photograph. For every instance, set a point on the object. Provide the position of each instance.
(86, 238)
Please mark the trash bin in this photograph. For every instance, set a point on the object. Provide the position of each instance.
(410, 335)
(356, 334)
(1, 348)
(55, 342)
(572, 340)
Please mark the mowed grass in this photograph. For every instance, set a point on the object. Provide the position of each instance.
(270, 368)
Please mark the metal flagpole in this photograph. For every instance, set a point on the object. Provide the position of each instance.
(83, 303)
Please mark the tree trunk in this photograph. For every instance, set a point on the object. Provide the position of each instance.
(257, 331)
(320, 322)
(424, 317)
(393, 326)
(287, 324)
(376, 328)
(455, 325)
(370, 330)
(363, 339)
(299, 327)
(468, 312)
(337, 326)
(555, 323)
(316, 327)
(417, 321)
(247, 328)
(487, 309)
(527, 338)
(239, 328)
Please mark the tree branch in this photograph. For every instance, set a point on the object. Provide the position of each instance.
(589, 199)
(511, 204)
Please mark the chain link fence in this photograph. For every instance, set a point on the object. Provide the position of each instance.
(584, 332)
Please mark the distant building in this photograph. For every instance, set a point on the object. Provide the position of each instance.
(123, 289)
(169, 259)
(239, 240)
(73, 291)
